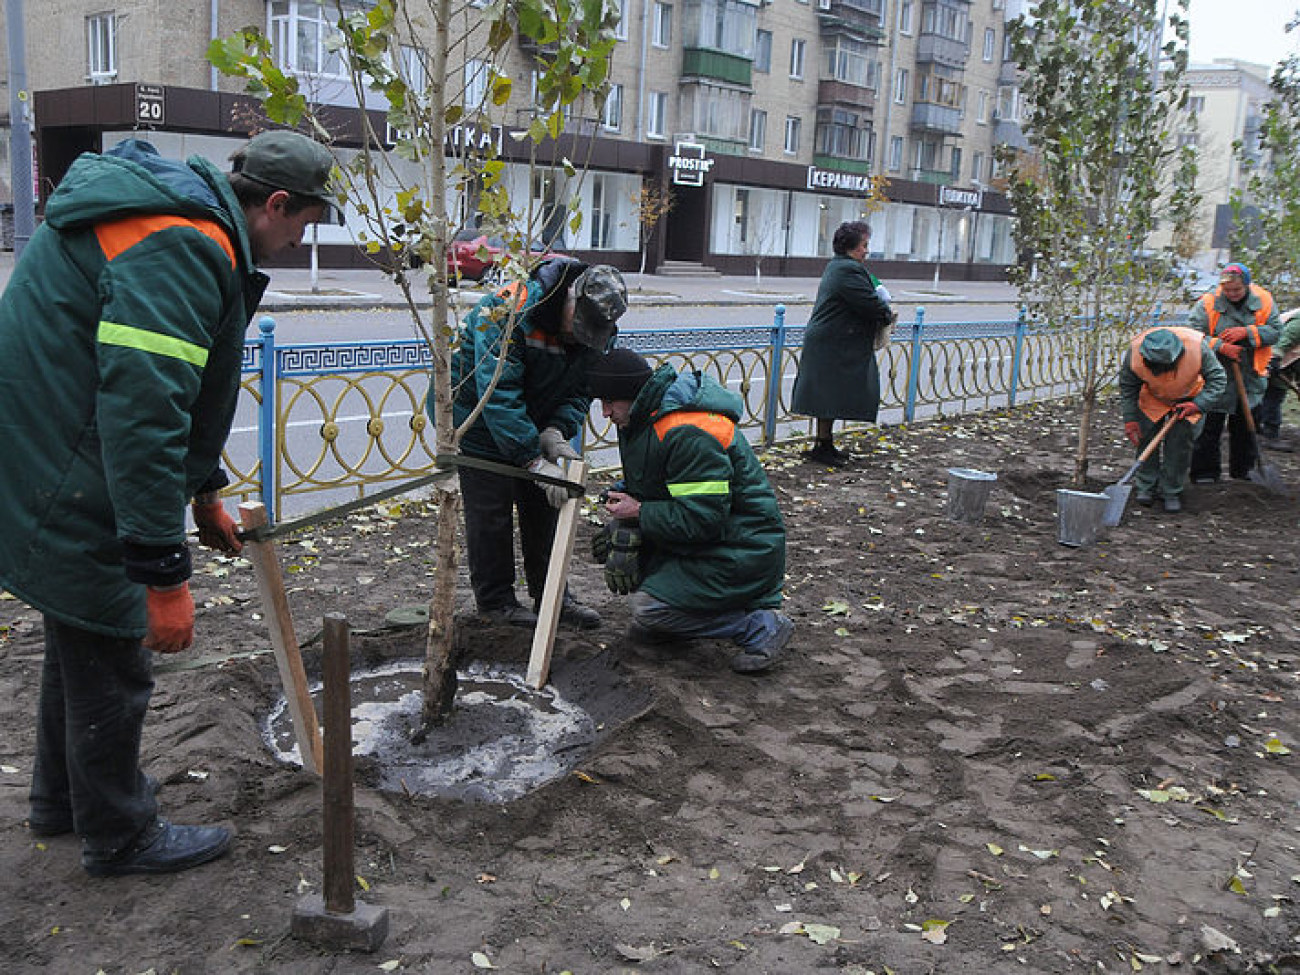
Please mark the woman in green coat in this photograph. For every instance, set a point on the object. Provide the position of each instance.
(838, 376)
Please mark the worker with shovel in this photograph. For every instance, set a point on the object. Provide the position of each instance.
(1283, 377)
(1241, 321)
(1167, 382)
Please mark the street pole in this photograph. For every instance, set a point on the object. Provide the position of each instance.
(20, 131)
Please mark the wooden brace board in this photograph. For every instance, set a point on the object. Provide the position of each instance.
(557, 574)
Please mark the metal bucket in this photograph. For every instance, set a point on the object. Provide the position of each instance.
(967, 492)
(1079, 516)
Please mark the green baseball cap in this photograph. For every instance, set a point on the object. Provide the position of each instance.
(289, 161)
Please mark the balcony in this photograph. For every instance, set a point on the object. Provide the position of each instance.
(933, 48)
(1007, 132)
(831, 93)
(854, 16)
(699, 62)
(936, 118)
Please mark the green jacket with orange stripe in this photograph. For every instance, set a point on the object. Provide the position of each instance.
(712, 533)
(121, 341)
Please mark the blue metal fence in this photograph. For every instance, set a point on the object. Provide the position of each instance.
(341, 417)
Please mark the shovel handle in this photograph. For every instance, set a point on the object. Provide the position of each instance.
(1166, 425)
(1245, 400)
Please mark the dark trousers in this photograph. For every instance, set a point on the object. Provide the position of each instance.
(1241, 446)
(491, 501)
(95, 691)
(1270, 408)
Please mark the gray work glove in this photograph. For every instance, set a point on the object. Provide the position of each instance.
(601, 541)
(623, 565)
(555, 446)
(555, 494)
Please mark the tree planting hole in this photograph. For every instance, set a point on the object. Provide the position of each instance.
(502, 740)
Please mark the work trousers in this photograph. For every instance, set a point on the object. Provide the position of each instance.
(95, 690)
(1270, 407)
(1165, 471)
(747, 628)
(1242, 450)
(491, 502)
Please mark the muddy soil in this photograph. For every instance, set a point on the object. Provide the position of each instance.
(985, 752)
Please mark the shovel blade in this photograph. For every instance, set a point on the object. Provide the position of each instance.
(1268, 477)
(1117, 500)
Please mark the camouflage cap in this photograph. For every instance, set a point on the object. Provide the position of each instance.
(289, 161)
(601, 299)
(1161, 347)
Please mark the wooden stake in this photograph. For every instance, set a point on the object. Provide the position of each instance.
(339, 822)
(557, 574)
(288, 658)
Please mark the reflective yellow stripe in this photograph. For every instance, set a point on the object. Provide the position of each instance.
(699, 487)
(111, 333)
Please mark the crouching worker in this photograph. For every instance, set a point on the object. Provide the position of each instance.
(697, 539)
(1167, 370)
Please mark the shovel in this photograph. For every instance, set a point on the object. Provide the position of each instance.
(1119, 491)
(1265, 474)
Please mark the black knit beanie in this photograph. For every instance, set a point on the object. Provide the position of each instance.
(619, 374)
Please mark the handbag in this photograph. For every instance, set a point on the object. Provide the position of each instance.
(885, 332)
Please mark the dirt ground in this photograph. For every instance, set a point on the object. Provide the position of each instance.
(985, 752)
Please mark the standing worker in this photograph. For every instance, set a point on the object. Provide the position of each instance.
(697, 538)
(121, 342)
(1241, 321)
(838, 376)
(1282, 374)
(1167, 370)
(533, 339)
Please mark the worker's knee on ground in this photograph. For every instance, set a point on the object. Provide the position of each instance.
(648, 611)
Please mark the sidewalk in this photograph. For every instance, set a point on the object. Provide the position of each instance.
(293, 288)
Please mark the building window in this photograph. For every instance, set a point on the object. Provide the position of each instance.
(715, 110)
(663, 25)
(302, 33)
(895, 153)
(612, 117)
(796, 58)
(1196, 104)
(414, 68)
(977, 166)
(763, 51)
(955, 169)
(720, 25)
(101, 47)
(1186, 139)
(945, 19)
(905, 16)
(656, 115)
(982, 111)
(900, 86)
(620, 25)
(990, 43)
(757, 129)
(792, 128)
(844, 134)
(850, 61)
(476, 84)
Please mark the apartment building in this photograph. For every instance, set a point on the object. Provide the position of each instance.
(767, 120)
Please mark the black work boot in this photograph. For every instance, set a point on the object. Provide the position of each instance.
(161, 848)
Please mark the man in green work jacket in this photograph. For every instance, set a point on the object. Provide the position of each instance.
(121, 341)
(697, 535)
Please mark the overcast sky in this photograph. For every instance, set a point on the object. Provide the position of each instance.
(1249, 30)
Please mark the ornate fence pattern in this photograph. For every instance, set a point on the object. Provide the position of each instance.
(305, 434)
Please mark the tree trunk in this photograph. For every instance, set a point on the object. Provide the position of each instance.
(440, 656)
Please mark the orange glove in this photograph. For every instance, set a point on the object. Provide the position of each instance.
(1230, 351)
(1133, 430)
(171, 619)
(1237, 334)
(216, 528)
(1187, 410)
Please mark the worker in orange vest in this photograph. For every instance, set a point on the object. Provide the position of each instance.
(1241, 321)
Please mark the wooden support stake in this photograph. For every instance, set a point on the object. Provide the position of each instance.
(339, 821)
(275, 602)
(557, 574)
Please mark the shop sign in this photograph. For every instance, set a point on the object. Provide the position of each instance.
(689, 164)
(833, 179)
(951, 196)
(460, 139)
